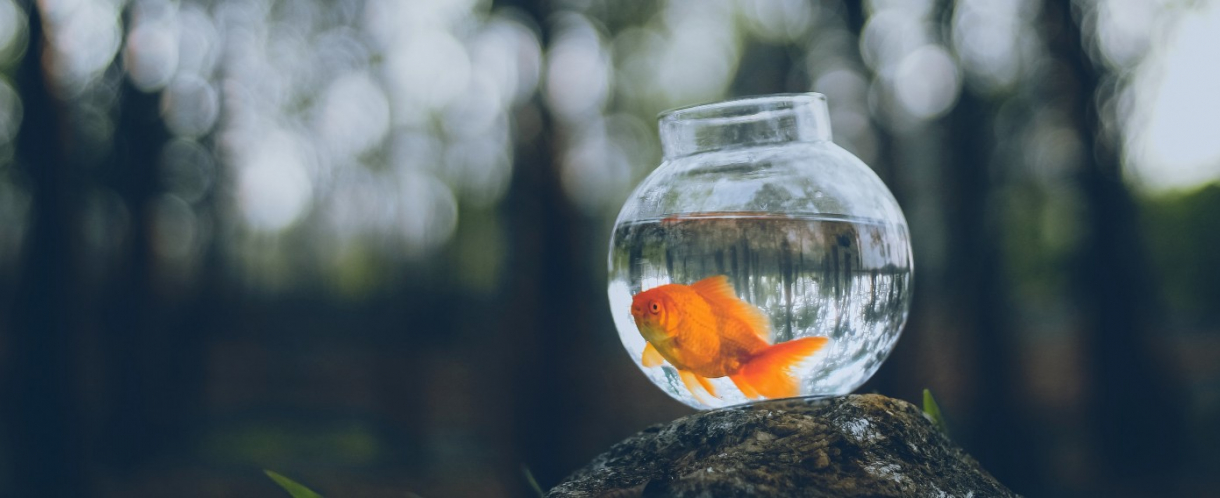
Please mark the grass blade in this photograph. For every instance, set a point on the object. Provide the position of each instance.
(933, 410)
(533, 483)
(292, 487)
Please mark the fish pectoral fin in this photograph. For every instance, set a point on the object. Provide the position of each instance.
(697, 386)
(652, 357)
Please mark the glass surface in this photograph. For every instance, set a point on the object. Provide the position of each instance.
(774, 236)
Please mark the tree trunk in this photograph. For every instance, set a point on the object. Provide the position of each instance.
(42, 402)
(1134, 405)
(141, 351)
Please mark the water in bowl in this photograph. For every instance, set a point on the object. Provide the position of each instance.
(838, 277)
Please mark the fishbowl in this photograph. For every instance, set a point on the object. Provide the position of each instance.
(759, 260)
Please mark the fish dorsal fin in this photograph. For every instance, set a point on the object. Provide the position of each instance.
(717, 291)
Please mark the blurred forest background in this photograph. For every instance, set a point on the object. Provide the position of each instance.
(363, 242)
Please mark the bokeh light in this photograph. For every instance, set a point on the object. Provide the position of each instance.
(188, 170)
(12, 32)
(274, 184)
(699, 51)
(84, 37)
(578, 69)
(1171, 136)
(10, 112)
(14, 211)
(354, 116)
(150, 54)
(992, 39)
(926, 82)
(175, 229)
(190, 106)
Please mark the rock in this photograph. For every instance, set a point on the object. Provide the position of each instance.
(857, 445)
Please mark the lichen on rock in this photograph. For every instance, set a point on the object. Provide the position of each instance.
(857, 445)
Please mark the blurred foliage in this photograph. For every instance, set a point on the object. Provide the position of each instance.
(1183, 232)
(1041, 233)
(255, 443)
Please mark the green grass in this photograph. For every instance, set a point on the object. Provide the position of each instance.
(533, 483)
(297, 490)
(933, 411)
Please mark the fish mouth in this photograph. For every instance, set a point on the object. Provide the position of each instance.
(649, 331)
(637, 308)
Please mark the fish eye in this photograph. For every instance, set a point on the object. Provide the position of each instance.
(656, 308)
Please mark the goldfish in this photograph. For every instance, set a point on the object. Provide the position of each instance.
(705, 332)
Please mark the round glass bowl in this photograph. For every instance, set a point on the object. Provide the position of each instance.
(759, 260)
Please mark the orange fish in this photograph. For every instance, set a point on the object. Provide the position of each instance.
(705, 331)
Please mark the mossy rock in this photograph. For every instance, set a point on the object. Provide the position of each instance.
(857, 445)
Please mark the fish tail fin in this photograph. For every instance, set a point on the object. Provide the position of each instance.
(769, 373)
